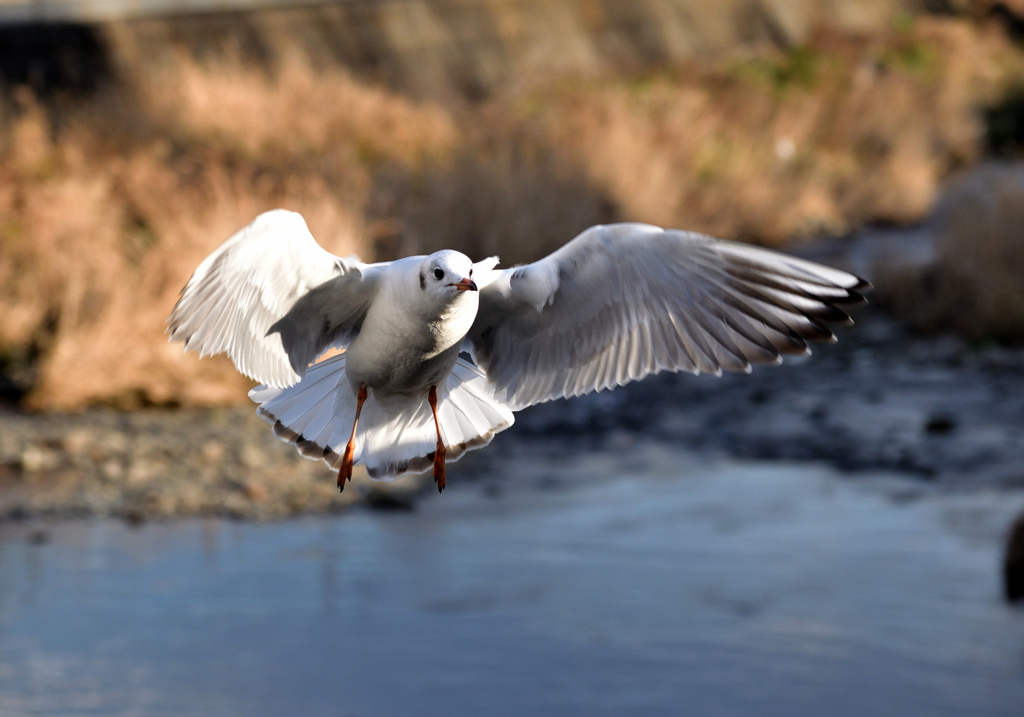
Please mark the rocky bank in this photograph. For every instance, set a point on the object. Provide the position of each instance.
(879, 400)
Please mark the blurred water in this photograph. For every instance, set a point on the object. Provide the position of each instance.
(675, 588)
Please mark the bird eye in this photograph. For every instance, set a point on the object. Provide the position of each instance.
(438, 274)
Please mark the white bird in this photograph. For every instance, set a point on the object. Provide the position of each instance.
(439, 351)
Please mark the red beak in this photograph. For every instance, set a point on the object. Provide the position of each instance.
(465, 285)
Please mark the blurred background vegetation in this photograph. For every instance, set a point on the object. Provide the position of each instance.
(130, 148)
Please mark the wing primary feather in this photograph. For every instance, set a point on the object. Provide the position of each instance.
(253, 280)
(623, 301)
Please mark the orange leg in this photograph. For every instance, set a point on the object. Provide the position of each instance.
(439, 452)
(350, 450)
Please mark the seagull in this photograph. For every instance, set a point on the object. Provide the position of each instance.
(437, 352)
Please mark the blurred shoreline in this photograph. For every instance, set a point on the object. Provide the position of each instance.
(936, 409)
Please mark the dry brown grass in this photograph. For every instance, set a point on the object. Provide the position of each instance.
(106, 215)
(107, 204)
(504, 193)
(774, 146)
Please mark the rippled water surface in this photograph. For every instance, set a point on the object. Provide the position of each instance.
(675, 588)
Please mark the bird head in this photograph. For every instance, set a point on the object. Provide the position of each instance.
(447, 275)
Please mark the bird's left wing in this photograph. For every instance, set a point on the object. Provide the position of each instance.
(623, 301)
(272, 299)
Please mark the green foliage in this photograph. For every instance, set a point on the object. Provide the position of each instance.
(911, 56)
(797, 67)
(903, 23)
(138, 237)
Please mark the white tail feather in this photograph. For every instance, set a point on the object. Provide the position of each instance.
(396, 433)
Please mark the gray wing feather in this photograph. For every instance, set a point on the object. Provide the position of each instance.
(272, 299)
(623, 301)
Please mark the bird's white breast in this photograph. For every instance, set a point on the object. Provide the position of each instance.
(404, 344)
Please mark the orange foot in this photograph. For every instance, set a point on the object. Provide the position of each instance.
(439, 454)
(346, 465)
(345, 474)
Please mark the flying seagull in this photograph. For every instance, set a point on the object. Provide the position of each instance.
(439, 351)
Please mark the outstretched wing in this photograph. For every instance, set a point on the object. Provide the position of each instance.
(272, 299)
(623, 301)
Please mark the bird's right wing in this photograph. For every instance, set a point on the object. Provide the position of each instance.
(272, 299)
(623, 301)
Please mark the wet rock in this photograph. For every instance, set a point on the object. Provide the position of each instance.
(213, 452)
(78, 441)
(134, 515)
(143, 471)
(252, 456)
(253, 490)
(385, 500)
(35, 459)
(940, 425)
(1013, 563)
(112, 469)
(112, 442)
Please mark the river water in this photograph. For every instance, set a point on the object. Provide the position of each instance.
(643, 582)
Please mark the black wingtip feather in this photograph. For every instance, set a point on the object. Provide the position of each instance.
(852, 298)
